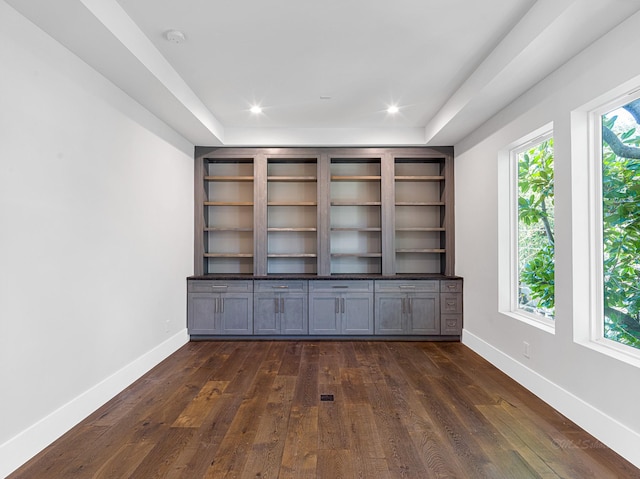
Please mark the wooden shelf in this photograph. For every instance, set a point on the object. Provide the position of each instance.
(421, 250)
(228, 178)
(228, 255)
(296, 230)
(420, 203)
(419, 178)
(292, 203)
(420, 229)
(356, 203)
(293, 179)
(228, 203)
(292, 255)
(218, 228)
(374, 229)
(355, 178)
(356, 255)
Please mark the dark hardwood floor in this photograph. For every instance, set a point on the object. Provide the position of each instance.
(254, 410)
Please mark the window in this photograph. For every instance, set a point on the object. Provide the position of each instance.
(532, 243)
(618, 215)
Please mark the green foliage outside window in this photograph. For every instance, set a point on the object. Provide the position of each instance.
(621, 223)
(536, 283)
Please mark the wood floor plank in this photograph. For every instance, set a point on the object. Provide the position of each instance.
(328, 363)
(300, 455)
(338, 464)
(125, 461)
(306, 393)
(195, 413)
(265, 456)
(252, 409)
(352, 386)
(367, 363)
(403, 459)
(162, 457)
(291, 360)
(364, 438)
(201, 451)
(367, 468)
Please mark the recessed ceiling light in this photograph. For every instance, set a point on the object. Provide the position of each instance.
(255, 109)
(393, 109)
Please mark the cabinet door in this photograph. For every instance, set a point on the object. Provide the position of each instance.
(294, 314)
(236, 314)
(201, 313)
(357, 313)
(324, 313)
(389, 312)
(266, 309)
(424, 314)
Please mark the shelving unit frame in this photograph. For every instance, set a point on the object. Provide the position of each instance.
(389, 231)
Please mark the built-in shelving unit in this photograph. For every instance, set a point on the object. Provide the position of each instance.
(324, 242)
(324, 211)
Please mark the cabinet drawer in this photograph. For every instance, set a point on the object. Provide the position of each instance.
(450, 303)
(454, 286)
(451, 324)
(269, 286)
(337, 286)
(222, 286)
(395, 286)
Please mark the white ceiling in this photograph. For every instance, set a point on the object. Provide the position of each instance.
(449, 65)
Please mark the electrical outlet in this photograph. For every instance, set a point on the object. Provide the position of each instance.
(526, 349)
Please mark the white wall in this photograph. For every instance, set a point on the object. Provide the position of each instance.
(596, 391)
(96, 225)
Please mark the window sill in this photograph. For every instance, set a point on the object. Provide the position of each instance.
(544, 325)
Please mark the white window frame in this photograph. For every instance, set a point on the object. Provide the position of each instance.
(508, 229)
(596, 251)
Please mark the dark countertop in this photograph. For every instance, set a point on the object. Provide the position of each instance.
(343, 277)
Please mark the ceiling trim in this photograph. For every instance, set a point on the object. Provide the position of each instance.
(115, 19)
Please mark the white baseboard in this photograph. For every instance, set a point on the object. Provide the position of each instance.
(19, 449)
(607, 430)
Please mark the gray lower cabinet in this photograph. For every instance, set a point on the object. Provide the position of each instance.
(340, 307)
(280, 307)
(220, 307)
(330, 307)
(407, 308)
